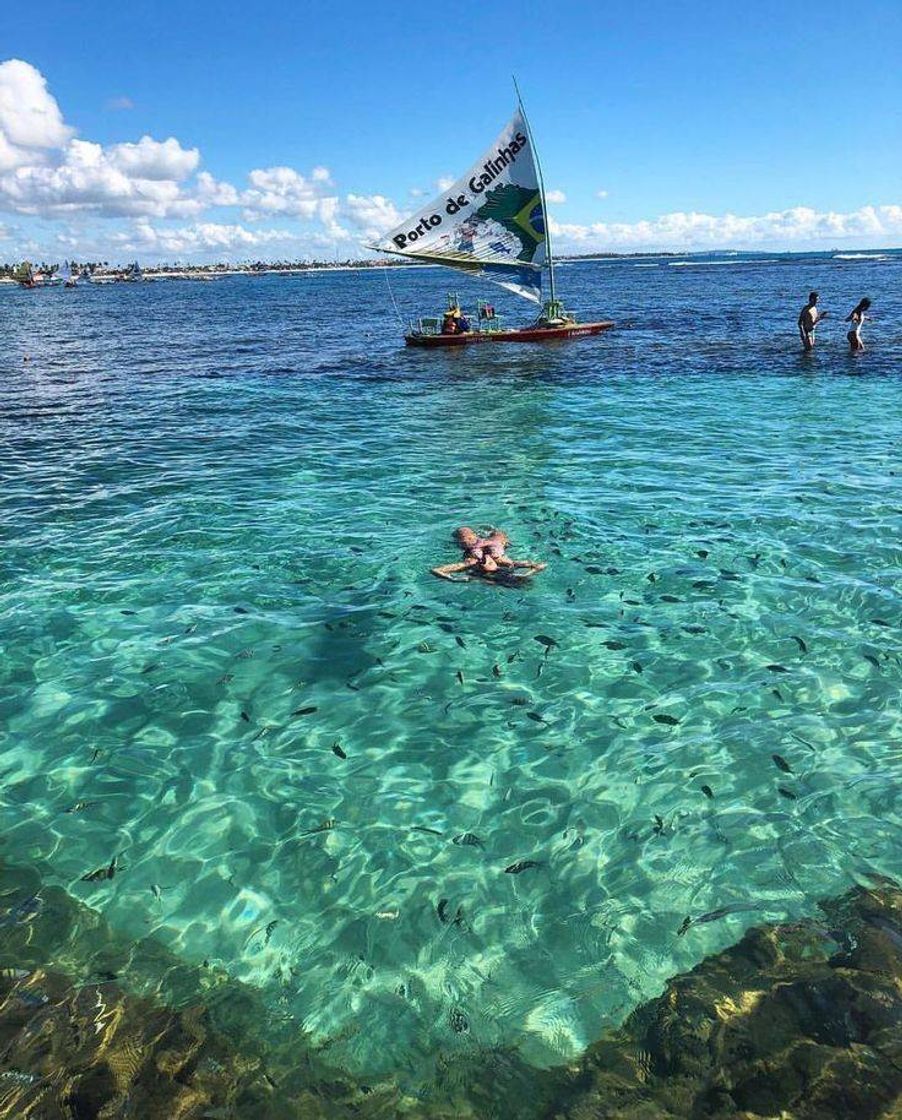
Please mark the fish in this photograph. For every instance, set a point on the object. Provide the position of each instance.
(880, 622)
(548, 643)
(225, 678)
(337, 749)
(703, 585)
(536, 717)
(190, 629)
(460, 641)
(593, 570)
(781, 764)
(787, 793)
(636, 666)
(101, 873)
(424, 828)
(241, 610)
(800, 643)
(468, 839)
(594, 625)
(267, 933)
(670, 599)
(613, 643)
(632, 602)
(14, 973)
(511, 657)
(460, 676)
(458, 1021)
(659, 825)
(651, 577)
(694, 628)
(309, 710)
(245, 654)
(521, 865)
(150, 668)
(245, 717)
(873, 660)
(662, 717)
(708, 792)
(774, 668)
(720, 912)
(776, 692)
(80, 806)
(324, 826)
(496, 671)
(702, 553)
(128, 612)
(612, 571)
(441, 909)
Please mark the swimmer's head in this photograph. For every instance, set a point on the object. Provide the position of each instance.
(465, 537)
(813, 297)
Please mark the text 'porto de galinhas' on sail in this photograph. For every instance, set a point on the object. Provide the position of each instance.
(491, 223)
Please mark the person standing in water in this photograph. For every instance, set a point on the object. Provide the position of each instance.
(857, 318)
(809, 317)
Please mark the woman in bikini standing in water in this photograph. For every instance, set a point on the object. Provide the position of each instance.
(857, 317)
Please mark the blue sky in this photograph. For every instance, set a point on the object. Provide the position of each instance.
(302, 130)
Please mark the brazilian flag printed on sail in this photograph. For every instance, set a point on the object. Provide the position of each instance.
(519, 211)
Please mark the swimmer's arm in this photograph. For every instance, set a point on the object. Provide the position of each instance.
(530, 564)
(444, 571)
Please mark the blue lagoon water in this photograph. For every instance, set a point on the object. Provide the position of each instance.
(221, 643)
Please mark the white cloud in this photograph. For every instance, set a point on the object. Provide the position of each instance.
(120, 104)
(31, 124)
(555, 196)
(601, 194)
(154, 159)
(445, 182)
(374, 215)
(203, 238)
(282, 190)
(798, 227)
(123, 180)
(416, 192)
(211, 192)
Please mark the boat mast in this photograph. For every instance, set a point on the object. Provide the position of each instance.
(548, 253)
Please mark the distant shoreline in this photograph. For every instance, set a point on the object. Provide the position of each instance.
(105, 273)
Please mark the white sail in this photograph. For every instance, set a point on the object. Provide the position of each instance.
(490, 223)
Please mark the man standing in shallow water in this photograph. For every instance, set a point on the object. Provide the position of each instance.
(809, 317)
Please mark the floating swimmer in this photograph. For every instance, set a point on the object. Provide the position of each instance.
(485, 556)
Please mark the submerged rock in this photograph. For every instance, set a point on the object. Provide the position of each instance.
(800, 1021)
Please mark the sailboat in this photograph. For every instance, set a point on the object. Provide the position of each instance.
(67, 276)
(492, 224)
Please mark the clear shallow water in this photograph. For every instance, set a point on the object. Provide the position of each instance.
(216, 515)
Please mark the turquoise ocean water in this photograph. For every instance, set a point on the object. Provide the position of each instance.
(218, 510)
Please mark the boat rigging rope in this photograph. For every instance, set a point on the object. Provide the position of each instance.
(385, 269)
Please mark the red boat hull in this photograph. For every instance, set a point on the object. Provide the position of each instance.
(527, 334)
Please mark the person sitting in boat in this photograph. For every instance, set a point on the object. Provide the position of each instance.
(463, 323)
(486, 311)
(553, 315)
(484, 556)
(449, 323)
